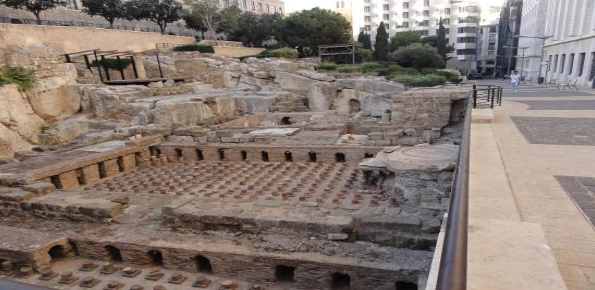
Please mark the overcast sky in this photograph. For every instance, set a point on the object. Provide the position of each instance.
(293, 5)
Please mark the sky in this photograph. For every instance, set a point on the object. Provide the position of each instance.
(296, 5)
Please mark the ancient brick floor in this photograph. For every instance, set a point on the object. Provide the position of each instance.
(328, 184)
(557, 131)
(582, 190)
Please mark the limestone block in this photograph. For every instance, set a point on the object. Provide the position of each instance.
(320, 96)
(40, 188)
(11, 141)
(294, 82)
(90, 173)
(68, 180)
(17, 115)
(58, 103)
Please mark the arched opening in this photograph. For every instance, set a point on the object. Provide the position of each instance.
(156, 257)
(368, 155)
(179, 153)
(113, 253)
(55, 180)
(203, 265)
(340, 157)
(58, 252)
(288, 156)
(221, 154)
(199, 155)
(312, 156)
(286, 121)
(354, 106)
(120, 162)
(155, 151)
(405, 286)
(284, 273)
(265, 156)
(341, 281)
(244, 155)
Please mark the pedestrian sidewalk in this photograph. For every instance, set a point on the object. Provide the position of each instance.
(532, 172)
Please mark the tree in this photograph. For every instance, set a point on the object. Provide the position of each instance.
(404, 38)
(442, 42)
(255, 29)
(430, 40)
(307, 29)
(194, 21)
(229, 19)
(418, 56)
(364, 39)
(207, 11)
(33, 6)
(108, 9)
(161, 12)
(381, 45)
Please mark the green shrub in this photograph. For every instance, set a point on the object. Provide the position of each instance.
(17, 75)
(195, 47)
(427, 71)
(365, 54)
(395, 69)
(282, 52)
(112, 63)
(429, 80)
(327, 66)
(349, 69)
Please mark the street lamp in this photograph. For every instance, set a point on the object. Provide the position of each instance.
(544, 38)
(510, 58)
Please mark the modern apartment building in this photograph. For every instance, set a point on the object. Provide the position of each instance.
(460, 17)
(570, 48)
(487, 47)
(532, 38)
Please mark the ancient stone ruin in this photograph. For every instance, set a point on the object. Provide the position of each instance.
(254, 174)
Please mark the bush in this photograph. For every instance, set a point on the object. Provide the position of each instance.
(418, 56)
(365, 54)
(429, 80)
(112, 63)
(282, 52)
(395, 69)
(327, 66)
(17, 75)
(195, 47)
(427, 71)
(350, 69)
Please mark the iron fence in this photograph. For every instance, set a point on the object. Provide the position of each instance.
(491, 93)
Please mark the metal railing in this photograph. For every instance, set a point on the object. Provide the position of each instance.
(491, 93)
(452, 272)
(91, 25)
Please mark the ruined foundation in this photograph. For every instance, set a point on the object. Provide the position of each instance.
(257, 175)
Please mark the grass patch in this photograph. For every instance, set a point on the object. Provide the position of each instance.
(20, 76)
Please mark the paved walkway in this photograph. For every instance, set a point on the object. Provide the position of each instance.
(533, 186)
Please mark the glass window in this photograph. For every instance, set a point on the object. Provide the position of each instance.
(562, 63)
(592, 74)
(405, 14)
(366, 8)
(581, 63)
(406, 5)
(385, 7)
(570, 63)
(556, 63)
(549, 63)
(405, 25)
(386, 17)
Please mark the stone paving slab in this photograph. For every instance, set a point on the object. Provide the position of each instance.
(582, 191)
(557, 131)
(560, 105)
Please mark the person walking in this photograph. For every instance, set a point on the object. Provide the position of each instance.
(514, 81)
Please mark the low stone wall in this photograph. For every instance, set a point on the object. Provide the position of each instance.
(237, 51)
(73, 39)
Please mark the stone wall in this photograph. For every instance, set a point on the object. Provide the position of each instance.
(73, 39)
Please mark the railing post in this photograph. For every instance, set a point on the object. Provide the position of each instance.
(474, 96)
(493, 90)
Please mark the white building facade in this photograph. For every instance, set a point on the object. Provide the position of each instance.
(569, 32)
(461, 19)
(532, 38)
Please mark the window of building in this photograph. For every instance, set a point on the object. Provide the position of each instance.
(592, 74)
(245, 4)
(405, 25)
(447, 11)
(387, 26)
(493, 29)
(556, 63)
(386, 17)
(426, 2)
(468, 51)
(581, 63)
(385, 7)
(466, 40)
(469, 19)
(424, 32)
(491, 46)
(405, 14)
(268, 9)
(367, 28)
(366, 8)
(424, 23)
(472, 9)
(570, 63)
(405, 5)
(562, 63)
(280, 10)
(226, 3)
(253, 6)
(446, 21)
(467, 30)
(367, 18)
(426, 13)
(549, 63)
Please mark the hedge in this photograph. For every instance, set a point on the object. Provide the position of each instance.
(429, 80)
(195, 47)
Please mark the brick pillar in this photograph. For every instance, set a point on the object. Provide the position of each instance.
(128, 162)
(90, 173)
(68, 180)
(110, 167)
(143, 158)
